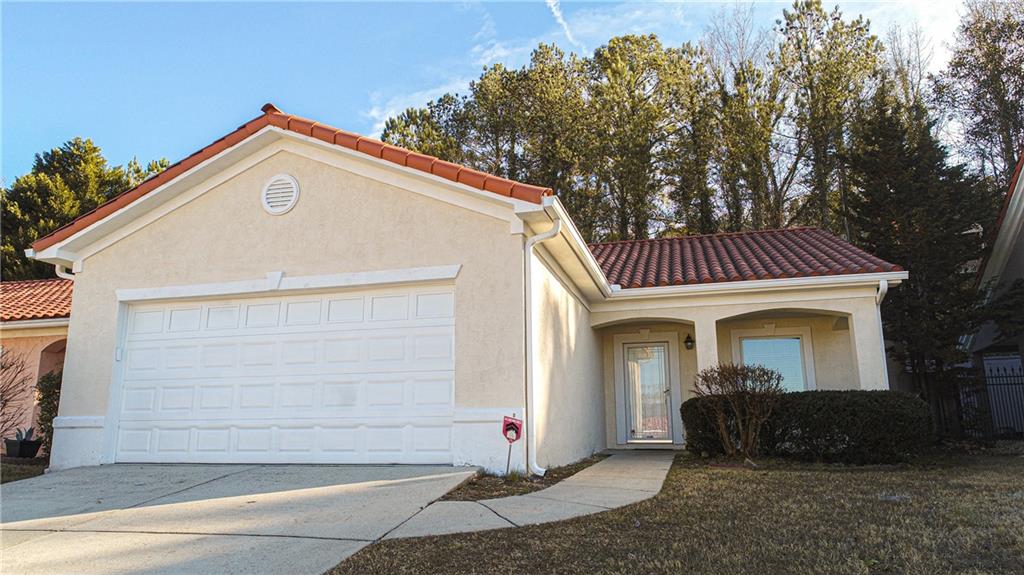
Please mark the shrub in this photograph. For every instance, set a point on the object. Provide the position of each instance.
(738, 400)
(836, 426)
(849, 426)
(48, 397)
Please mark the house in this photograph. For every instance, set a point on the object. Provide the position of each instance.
(33, 331)
(1000, 356)
(294, 293)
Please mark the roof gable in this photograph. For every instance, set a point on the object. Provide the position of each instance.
(272, 116)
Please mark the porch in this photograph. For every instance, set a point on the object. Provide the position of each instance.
(651, 355)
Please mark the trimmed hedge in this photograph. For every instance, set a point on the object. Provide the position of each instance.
(835, 426)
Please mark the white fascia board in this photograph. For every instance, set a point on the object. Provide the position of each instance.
(739, 287)
(515, 204)
(553, 206)
(35, 323)
(1010, 231)
(275, 282)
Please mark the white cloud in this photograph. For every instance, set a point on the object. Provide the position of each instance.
(556, 11)
(381, 109)
(936, 20)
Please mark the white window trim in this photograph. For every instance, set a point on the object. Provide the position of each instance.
(621, 420)
(801, 332)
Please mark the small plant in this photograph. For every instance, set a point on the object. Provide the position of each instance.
(48, 398)
(738, 399)
(24, 435)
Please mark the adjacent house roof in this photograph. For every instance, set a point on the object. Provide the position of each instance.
(35, 299)
(761, 255)
(274, 117)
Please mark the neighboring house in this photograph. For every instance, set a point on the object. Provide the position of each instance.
(34, 326)
(1000, 357)
(294, 293)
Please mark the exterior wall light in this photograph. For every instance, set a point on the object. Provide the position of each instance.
(688, 342)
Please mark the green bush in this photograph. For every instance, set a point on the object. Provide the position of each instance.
(836, 426)
(48, 397)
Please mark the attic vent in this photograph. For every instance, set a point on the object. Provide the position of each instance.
(280, 194)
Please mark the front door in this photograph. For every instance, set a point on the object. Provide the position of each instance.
(648, 392)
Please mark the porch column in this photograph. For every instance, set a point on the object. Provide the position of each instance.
(868, 346)
(706, 334)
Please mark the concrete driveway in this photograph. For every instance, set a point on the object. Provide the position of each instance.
(199, 519)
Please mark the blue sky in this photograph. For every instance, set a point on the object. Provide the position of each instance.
(154, 80)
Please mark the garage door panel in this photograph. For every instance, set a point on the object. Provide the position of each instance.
(353, 352)
(379, 441)
(349, 377)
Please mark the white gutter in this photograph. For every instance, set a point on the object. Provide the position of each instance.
(35, 323)
(845, 280)
(531, 421)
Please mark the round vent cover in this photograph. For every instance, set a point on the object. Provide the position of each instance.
(280, 194)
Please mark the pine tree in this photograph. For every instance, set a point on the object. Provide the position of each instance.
(64, 183)
(914, 208)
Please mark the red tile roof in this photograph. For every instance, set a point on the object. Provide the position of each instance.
(35, 299)
(770, 254)
(274, 117)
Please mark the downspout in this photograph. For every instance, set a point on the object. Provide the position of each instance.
(531, 423)
(883, 288)
(62, 274)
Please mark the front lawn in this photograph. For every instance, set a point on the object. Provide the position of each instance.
(951, 513)
(13, 468)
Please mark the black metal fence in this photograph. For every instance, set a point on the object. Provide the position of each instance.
(986, 405)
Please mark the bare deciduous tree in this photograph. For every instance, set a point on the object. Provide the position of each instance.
(14, 389)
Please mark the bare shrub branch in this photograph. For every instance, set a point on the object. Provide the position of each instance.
(14, 389)
(739, 400)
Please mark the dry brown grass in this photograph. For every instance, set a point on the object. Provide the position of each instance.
(13, 469)
(486, 486)
(961, 513)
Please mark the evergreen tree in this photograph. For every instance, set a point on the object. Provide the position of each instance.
(913, 207)
(64, 183)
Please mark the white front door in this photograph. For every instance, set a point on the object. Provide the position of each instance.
(648, 390)
(345, 377)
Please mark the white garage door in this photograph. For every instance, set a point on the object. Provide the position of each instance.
(349, 377)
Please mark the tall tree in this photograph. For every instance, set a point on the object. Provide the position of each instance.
(629, 87)
(983, 86)
(913, 207)
(436, 130)
(63, 183)
(828, 61)
(560, 135)
(695, 137)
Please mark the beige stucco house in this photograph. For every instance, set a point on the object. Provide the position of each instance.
(296, 293)
(33, 335)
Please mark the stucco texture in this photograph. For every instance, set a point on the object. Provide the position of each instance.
(42, 350)
(343, 222)
(567, 383)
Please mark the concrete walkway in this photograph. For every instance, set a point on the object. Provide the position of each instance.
(624, 478)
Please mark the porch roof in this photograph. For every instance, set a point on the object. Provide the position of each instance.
(733, 257)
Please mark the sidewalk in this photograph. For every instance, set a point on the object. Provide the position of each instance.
(622, 479)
